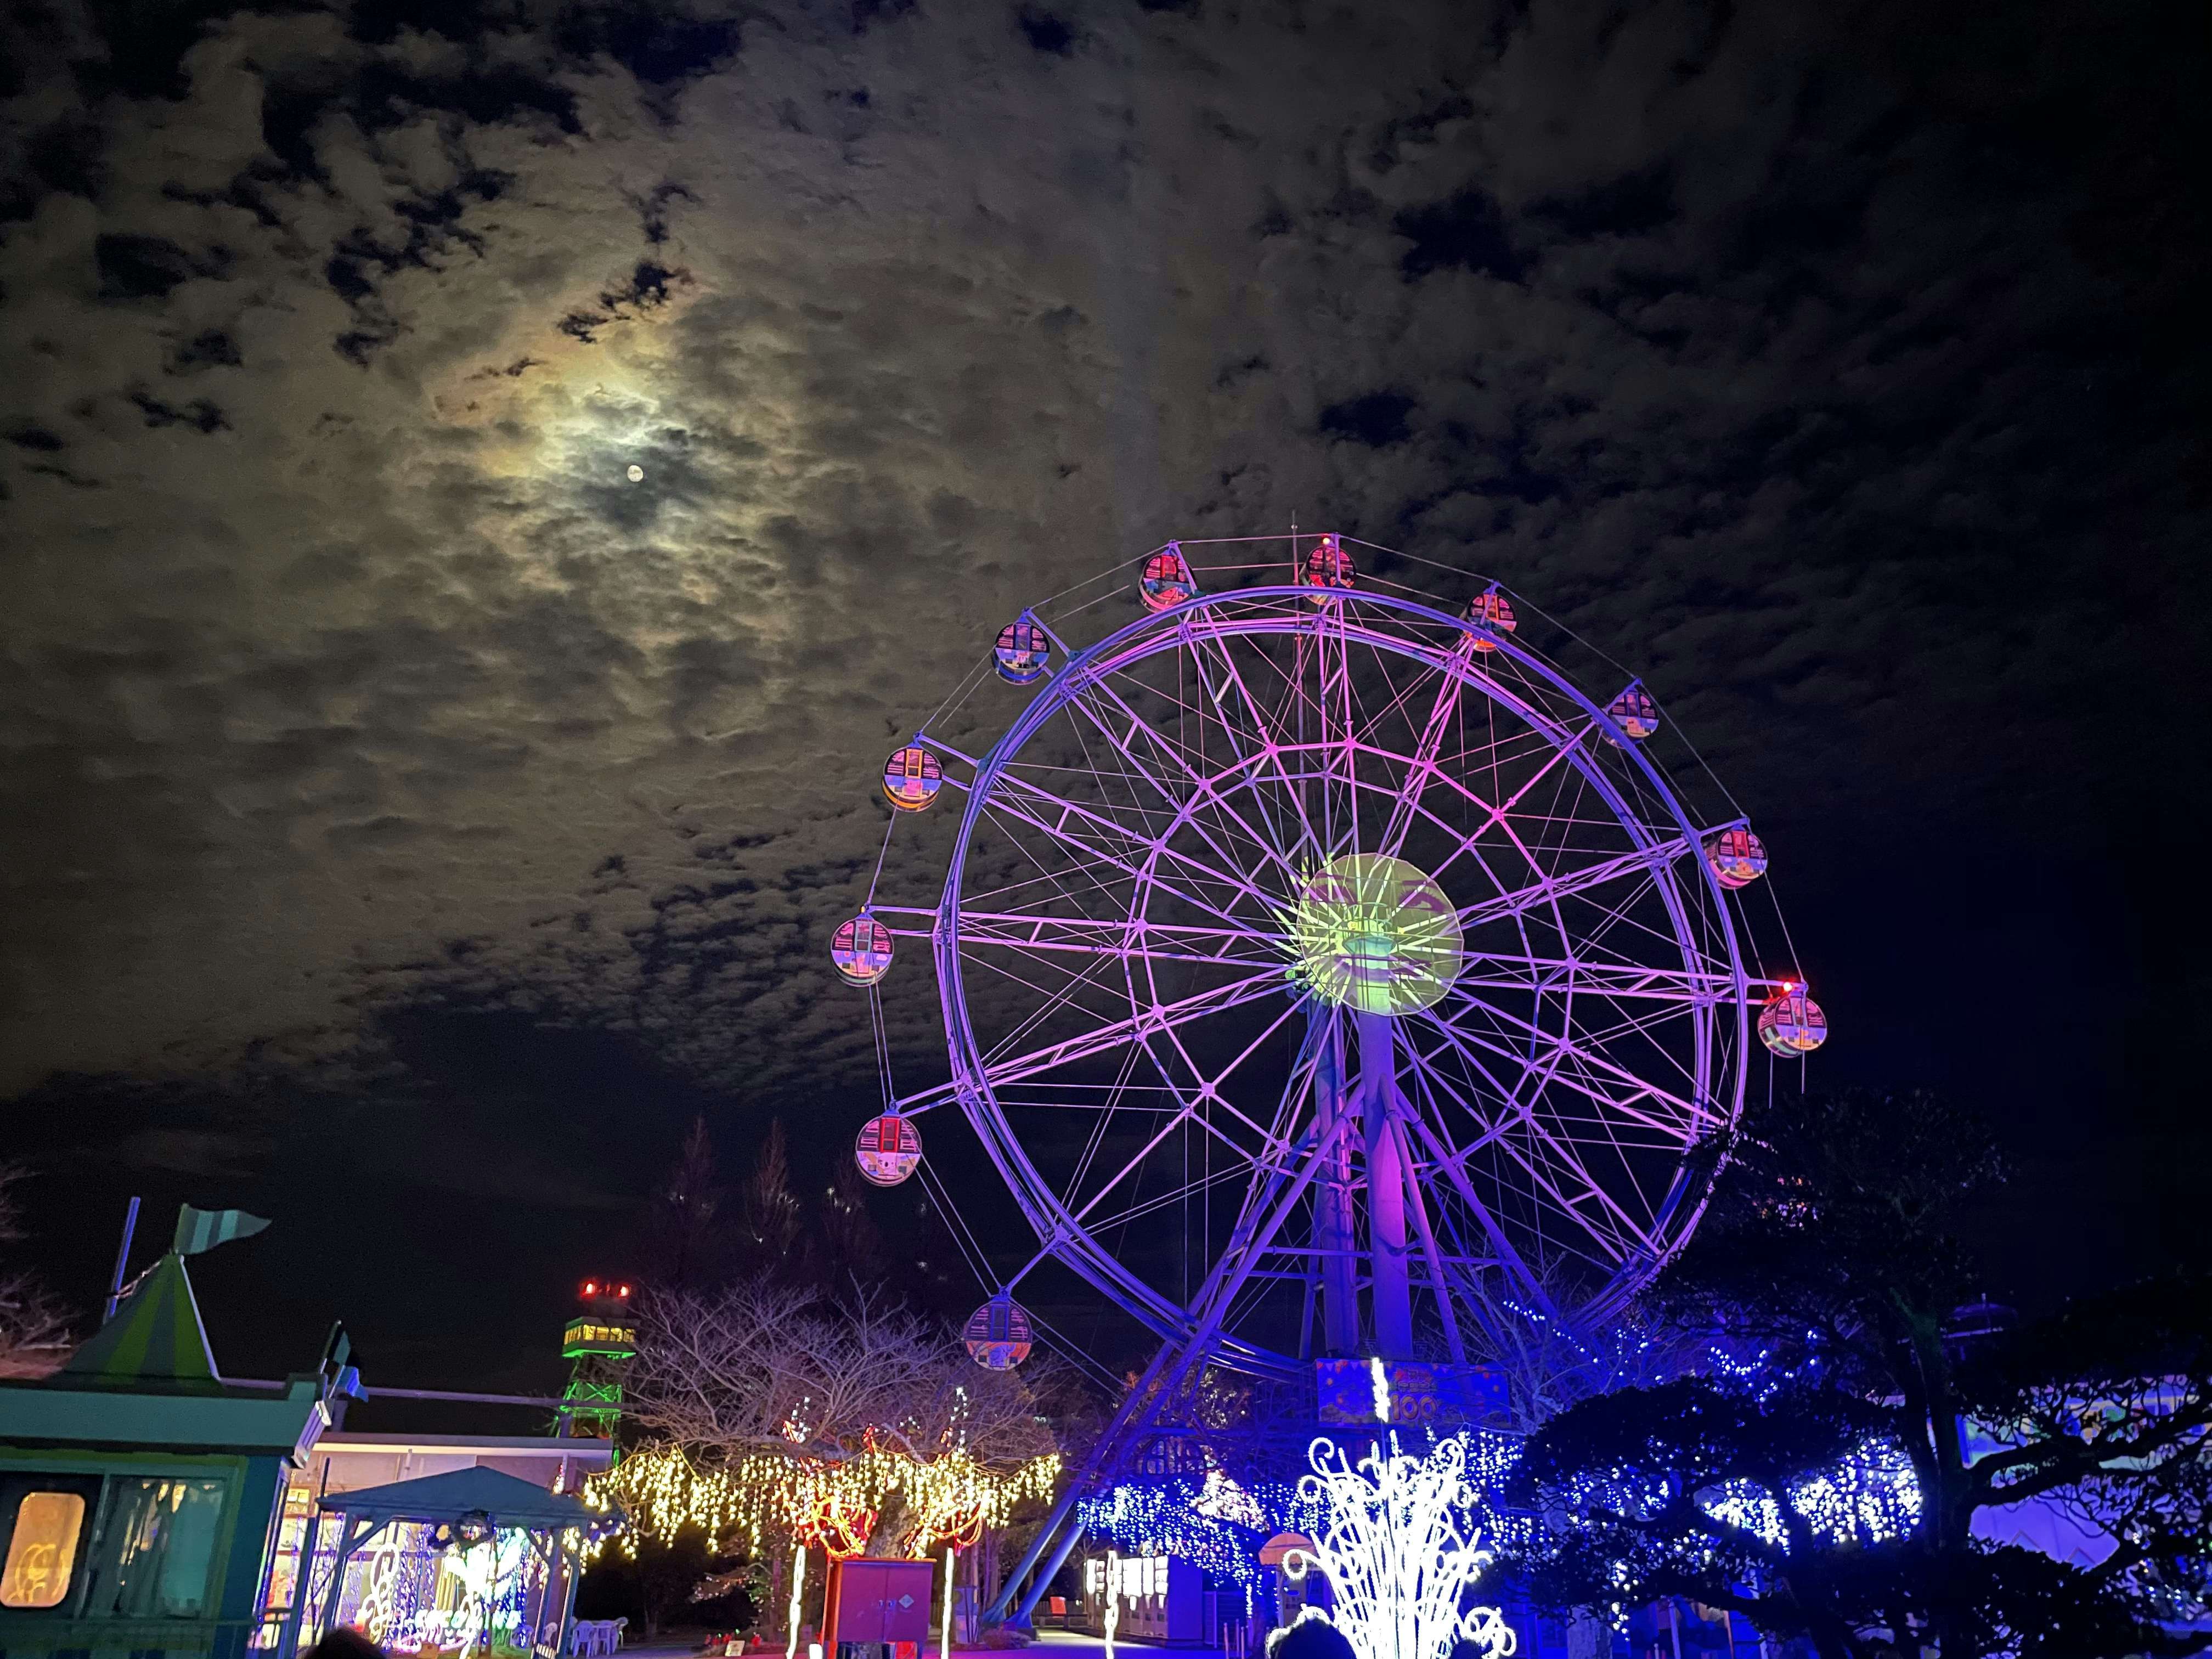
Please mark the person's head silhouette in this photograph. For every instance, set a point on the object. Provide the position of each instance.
(344, 1642)
(1309, 1637)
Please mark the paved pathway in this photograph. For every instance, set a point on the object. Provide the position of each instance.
(1055, 1644)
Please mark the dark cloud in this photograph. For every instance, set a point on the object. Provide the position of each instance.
(1839, 372)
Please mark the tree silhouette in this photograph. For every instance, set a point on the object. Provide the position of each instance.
(683, 1245)
(1831, 1253)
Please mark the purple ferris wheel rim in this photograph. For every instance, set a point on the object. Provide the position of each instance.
(1279, 613)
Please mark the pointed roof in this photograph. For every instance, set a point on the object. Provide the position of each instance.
(155, 1340)
(509, 1500)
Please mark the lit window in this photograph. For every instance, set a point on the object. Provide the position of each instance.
(42, 1549)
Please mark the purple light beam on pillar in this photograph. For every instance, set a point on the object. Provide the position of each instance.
(1386, 1189)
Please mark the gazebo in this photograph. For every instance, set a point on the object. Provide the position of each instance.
(471, 1504)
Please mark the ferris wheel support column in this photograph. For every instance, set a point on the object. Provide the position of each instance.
(1386, 1188)
(1333, 1239)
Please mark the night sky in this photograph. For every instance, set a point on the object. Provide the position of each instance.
(412, 823)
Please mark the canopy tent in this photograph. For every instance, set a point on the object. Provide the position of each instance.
(509, 1501)
(485, 1497)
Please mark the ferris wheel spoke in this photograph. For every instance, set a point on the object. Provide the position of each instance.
(1645, 1019)
(1268, 1204)
(1104, 1039)
(1492, 1119)
(1054, 1002)
(1641, 861)
(1277, 1154)
(1499, 1135)
(1196, 789)
(1456, 1175)
(1563, 976)
(1249, 761)
(1131, 1170)
(1185, 1116)
(1625, 930)
(1629, 1239)
(1274, 1155)
(1590, 1073)
(1068, 890)
(1036, 803)
(1139, 1209)
(1535, 1036)
(1498, 813)
(1208, 1089)
(1123, 848)
(1456, 1161)
(1541, 1180)
(1135, 940)
(1421, 764)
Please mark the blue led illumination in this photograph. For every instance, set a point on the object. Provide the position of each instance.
(1218, 1524)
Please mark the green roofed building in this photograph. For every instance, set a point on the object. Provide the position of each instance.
(139, 1491)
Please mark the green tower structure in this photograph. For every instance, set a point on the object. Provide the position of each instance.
(599, 1342)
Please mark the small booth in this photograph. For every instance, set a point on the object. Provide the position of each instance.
(138, 1491)
(1153, 1598)
(1294, 1595)
(467, 1562)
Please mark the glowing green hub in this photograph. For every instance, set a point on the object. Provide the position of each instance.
(1373, 934)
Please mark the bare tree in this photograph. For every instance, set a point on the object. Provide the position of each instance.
(770, 1221)
(851, 1243)
(762, 1365)
(681, 1240)
(35, 1332)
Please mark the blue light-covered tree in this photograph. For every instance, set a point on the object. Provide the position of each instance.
(1832, 1492)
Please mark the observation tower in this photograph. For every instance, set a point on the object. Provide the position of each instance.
(599, 1342)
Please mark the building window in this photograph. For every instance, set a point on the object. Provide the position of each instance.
(42, 1549)
(155, 1554)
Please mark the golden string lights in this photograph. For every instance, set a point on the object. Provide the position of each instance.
(948, 1500)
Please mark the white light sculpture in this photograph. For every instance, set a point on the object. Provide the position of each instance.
(1398, 1556)
(1113, 1618)
(798, 1589)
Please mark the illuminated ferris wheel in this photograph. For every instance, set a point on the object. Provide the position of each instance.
(1325, 972)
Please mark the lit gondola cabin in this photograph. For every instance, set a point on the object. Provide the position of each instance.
(912, 778)
(1327, 566)
(1492, 611)
(1024, 651)
(1634, 712)
(887, 1149)
(1167, 579)
(861, 950)
(1737, 856)
(1791, 1024)
(998, 1335)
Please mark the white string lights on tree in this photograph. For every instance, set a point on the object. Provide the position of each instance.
(1400, 1554)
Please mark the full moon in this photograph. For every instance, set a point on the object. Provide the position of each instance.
(637, 475)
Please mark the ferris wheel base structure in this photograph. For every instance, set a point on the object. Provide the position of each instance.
(1329, 975)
